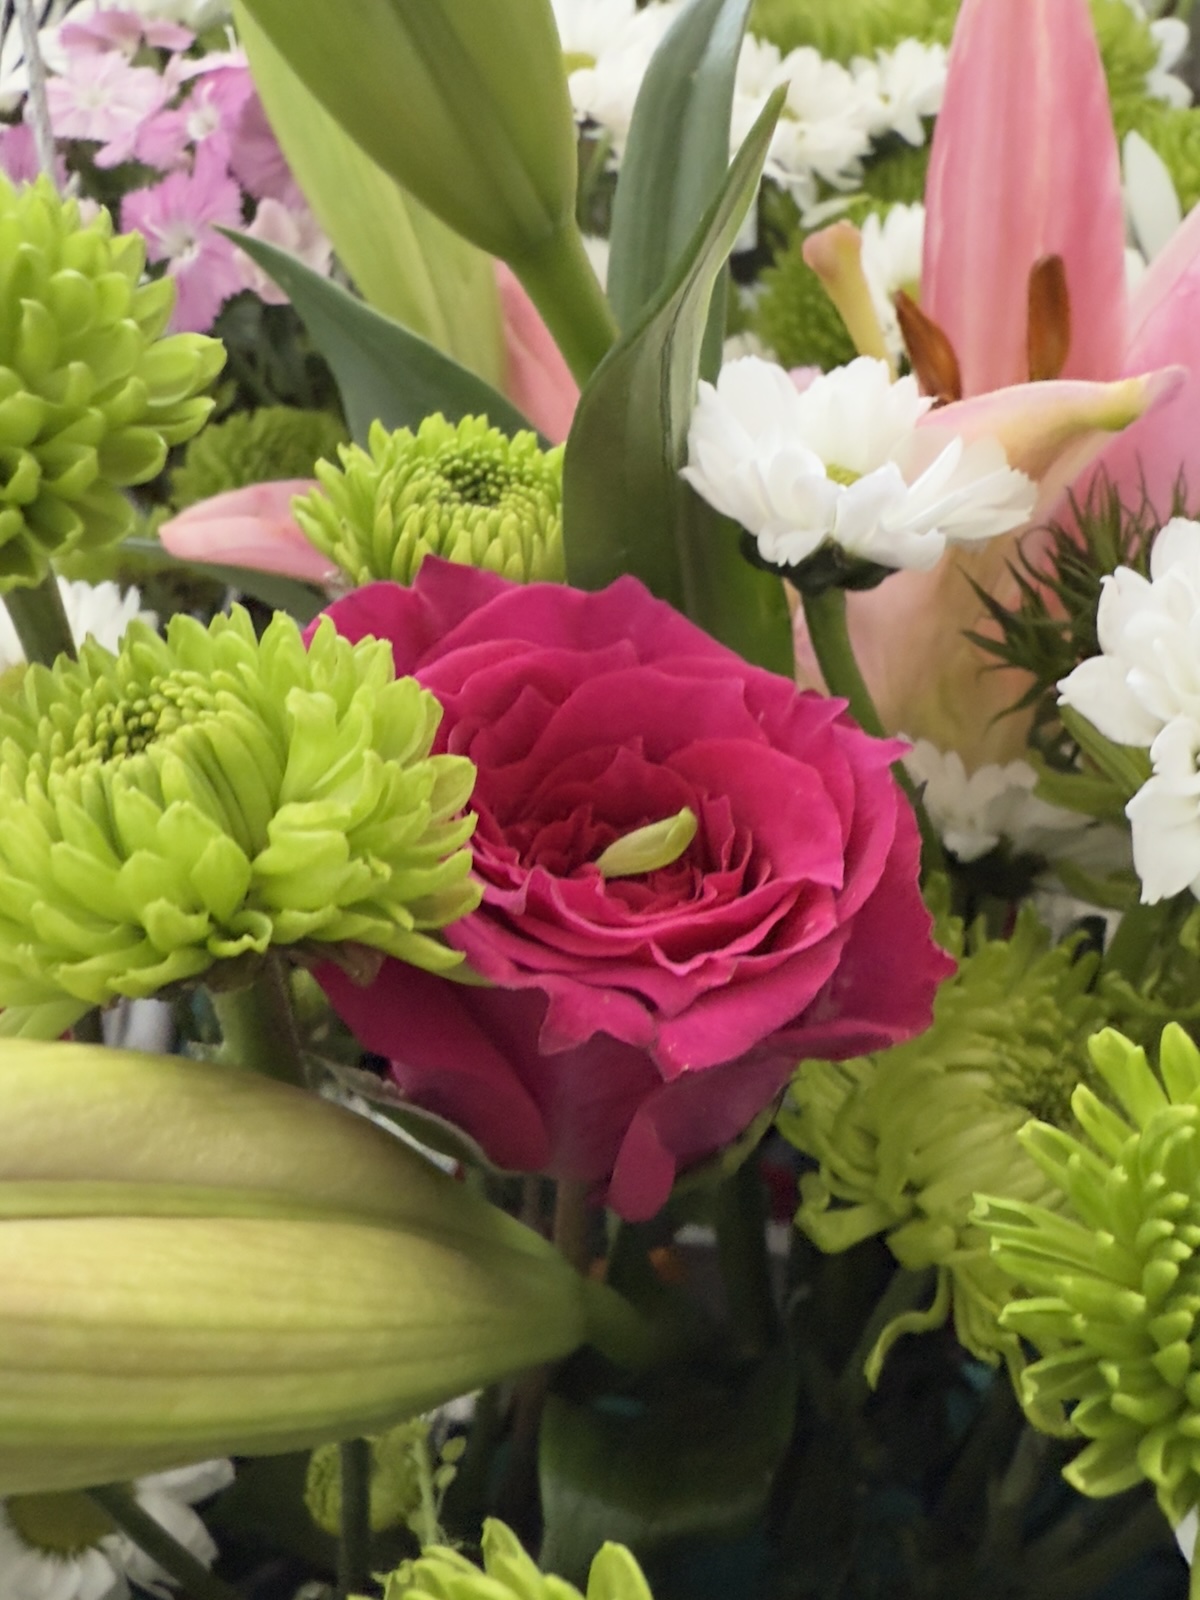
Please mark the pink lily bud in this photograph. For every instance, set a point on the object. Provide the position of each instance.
(251, 527)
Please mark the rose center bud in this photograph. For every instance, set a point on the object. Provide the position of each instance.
(649, 848)
(60, 1524)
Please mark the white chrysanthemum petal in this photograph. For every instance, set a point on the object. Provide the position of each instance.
(1098, 691)
(1151, 204)
(891, 260)
(907, 84)
(1165, 815)
(974, 812)
(100, 610)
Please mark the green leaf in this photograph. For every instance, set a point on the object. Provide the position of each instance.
(406, 263)
(384, 372)
(625, 508)
(677, 151)
(281, 593)
(691, 1457)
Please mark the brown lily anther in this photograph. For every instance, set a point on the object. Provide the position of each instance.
(930, 352)
(1048, 332)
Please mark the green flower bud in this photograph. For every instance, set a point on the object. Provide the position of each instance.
(269, 445)
(193, 801)
(509, 1573)
(1111, 1263)
(904, 1139)
(91, 395)
(466, 493)
(199, 1261)
(796, 318)
(394, 1486)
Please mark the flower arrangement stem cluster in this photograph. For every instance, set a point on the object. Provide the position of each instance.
(192, 1576)
(825, 617)
(40, 619)
(258, 1025)
(354, 1561)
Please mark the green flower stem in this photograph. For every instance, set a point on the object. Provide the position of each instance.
(1132, 944)
(741, 1226)
(570, 1228)
(623, 1334)
(354, 1558)
(196, 1581)
(258, 1026)
(825, 614)
(41, 622)
(904, 1292)
(559, 280)
(1089, 1573)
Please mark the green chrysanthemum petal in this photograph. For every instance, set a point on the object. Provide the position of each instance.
(842, 29)
(904, 1139)
(264, 446)
(1110, 1260)
(91, 396)
(466, 492)
(509, 1573)
(795, 317)
(202, 798)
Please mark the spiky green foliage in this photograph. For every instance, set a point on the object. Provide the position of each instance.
(1112, 1268)
(1129, 51)
(905, 1138)
(841, 29)
(465, 492)
(510, 1574)
(896, 176)
(263, 446)
(194, 801)
(92, 394)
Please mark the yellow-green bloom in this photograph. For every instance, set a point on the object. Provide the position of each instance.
(509, 1573)
(194, 801)
(269, 445)
(465, 492)
(91, 394)
(904, 1139)
(1113, 1273)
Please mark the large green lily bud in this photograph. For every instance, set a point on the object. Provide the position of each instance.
(465, 492)
(463, 102)
(91, 394)
(199, 1261)
(509, 1573)
(904, 1139)
(194, 801)
(1112, 1266)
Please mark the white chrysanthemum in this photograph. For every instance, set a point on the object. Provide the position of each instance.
(1152, 208)
(891, 261)
(605, 91)
(587, 28)
(60, 1547)
(1171, 36)
(825, 127)
(841, 461)
(973, 812)
(100, 610)
(1144, 689)
(906, 84)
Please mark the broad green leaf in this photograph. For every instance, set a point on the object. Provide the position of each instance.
(463, 102)
(404, 262)
(677, 151)
(686, 1457)
(384, 372)
(625, 507)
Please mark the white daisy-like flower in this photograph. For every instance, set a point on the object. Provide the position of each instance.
(906, 84)
(891, 260)
(587, 28)
(974, 811)
(841, 461)
(1171, 36)
(61, 1547)
(1144, 690)
(100, 610)
(604, 90)
(824, 130)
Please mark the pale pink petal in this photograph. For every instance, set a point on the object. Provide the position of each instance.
(251, 527)
(1052, 431)
(538, 380)
(1024, 165)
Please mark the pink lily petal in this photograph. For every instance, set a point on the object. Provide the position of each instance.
(538, 381)
(1050, 431)
(251, 527)
(1024, 165)
(1150, 456)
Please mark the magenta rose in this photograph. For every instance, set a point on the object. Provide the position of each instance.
(638, 1024)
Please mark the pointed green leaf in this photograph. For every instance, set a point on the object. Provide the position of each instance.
(384, 372)
(406, 264)
(677, 151)
(625, 508)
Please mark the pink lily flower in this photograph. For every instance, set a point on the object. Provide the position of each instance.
(253, 528)
(1025, 329)
(538, 380)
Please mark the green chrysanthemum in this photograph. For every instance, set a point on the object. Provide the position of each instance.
(264, 446)
(510, 1574)
(904, 1139)
(895, 177)
(842, 29)
(91, 395)
(466, 492)
(200, 799)
(795, 317)
(1113, 1271)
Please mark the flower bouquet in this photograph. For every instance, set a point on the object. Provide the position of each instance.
(599, 800)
